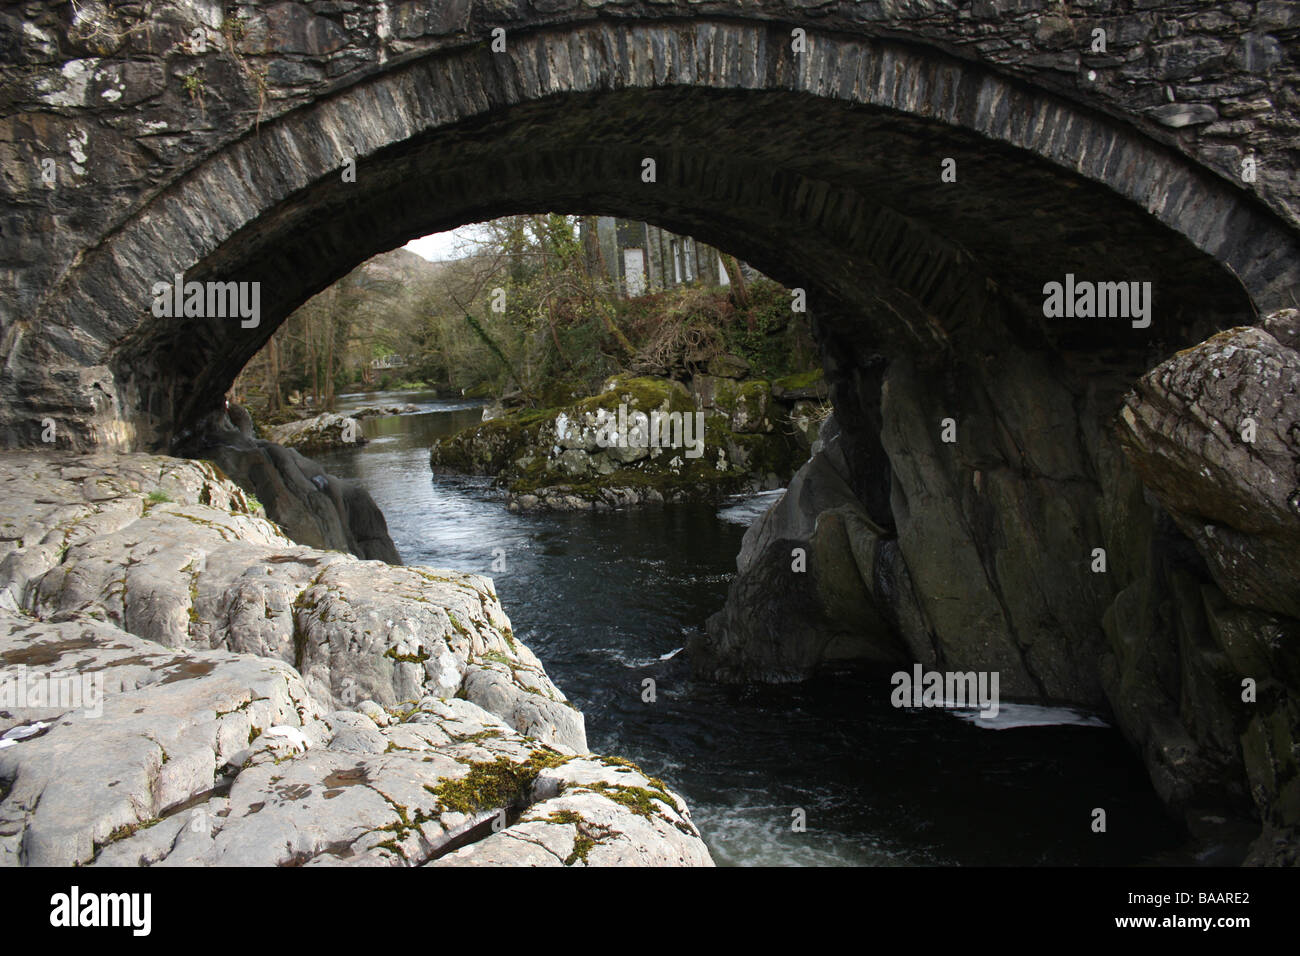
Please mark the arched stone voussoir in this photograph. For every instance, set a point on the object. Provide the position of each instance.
(821, 168)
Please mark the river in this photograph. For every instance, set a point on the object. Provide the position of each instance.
(607, 600)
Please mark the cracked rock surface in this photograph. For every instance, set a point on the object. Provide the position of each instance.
(1215, 433)
(247, 701)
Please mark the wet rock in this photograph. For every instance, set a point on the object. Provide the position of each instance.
(803, 592)
(314, 508)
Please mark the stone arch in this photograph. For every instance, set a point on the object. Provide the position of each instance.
(821, 168)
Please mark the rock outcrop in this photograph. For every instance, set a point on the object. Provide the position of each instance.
(1213, 433)
(319, 433)
(945, 525)
(1137, 557)
(314, 508)
(590, 455)
(250, 701)
(818, 525)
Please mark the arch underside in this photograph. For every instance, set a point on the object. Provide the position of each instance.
(823, 173)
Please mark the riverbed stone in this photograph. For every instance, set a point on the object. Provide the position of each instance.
(324, 432)
(555, 459)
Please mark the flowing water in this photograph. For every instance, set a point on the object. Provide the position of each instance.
(607, 600)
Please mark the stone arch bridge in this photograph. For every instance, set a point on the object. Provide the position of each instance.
(1106, 140)
(206, 138)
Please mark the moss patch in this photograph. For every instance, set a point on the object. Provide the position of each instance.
(497, 784)
(588, 836)
(799, 380)
(523, 452)
(640, 800)
(417, 658)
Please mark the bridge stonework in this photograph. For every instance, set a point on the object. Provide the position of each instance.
(110, 111)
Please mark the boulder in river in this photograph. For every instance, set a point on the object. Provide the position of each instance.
(820, 526)
(313, 507)
(380, 411)
(322, 432)
(639, 441)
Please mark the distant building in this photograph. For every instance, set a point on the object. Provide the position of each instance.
(642, 258)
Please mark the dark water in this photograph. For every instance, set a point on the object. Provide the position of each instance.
(603, 599)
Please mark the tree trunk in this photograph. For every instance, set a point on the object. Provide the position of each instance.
(329, 365)
(739, 292)
(593, 254)
(274, 402)
(314, 357)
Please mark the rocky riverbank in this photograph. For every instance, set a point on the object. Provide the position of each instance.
(644, 440)
(1141, 563)
(242, 699)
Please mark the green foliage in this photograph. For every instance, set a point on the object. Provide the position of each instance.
(773, 339)
(495, 349)
(500, 784)
(195, 86)
(530, 311)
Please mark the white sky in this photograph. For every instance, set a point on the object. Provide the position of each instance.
(445, 245)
